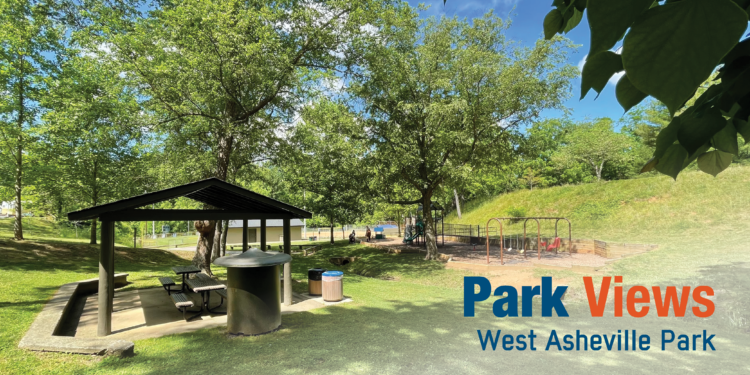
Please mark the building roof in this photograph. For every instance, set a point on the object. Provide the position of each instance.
(230, 202)
(269, 223)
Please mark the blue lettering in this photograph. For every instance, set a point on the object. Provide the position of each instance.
(470, 297)
(511, 300)
(552, 300)
(489, 338)
(665, 340)
(553, 340)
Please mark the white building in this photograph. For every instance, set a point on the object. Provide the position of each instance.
(274, 231)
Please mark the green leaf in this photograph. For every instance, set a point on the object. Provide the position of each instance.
(553, 22)
(673, 48)
(572, 19)
(580, 4)
(671, 163)
(714, 162)
(742, 127)
(609, 19)
(702, 150)
(628, 95)
(598, 70)
(667, 137)
(697, 129)
(726, 140)
(649, 166)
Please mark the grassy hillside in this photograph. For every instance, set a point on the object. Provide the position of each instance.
(654, 209)
(40, 228)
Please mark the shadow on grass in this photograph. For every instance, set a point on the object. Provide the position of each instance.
(371, 263)
(401, 336)
(54, 255)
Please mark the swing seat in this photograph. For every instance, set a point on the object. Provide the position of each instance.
(553, 246)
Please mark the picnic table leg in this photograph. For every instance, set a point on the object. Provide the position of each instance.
(208, 306)
(199, 312)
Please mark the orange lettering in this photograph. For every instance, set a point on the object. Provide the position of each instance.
(703, 301)
(632, 300)
(670, 297)
(597, 308)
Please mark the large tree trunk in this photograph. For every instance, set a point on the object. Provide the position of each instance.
(202, 257)
(94, 201)
(224, 152)
(332, 232)
(92, 235)
(399, 218)
(458, 203)
(224, 238)
(216, 249)
(18, 224)
(429, 232)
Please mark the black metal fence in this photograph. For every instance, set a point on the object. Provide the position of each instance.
(466, 230)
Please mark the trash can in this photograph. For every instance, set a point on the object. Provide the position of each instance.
(314, 281)
(333, 286)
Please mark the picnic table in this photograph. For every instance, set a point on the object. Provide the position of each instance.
(204, 285)
(185, 270)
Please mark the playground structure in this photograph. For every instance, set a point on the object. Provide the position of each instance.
(414, 232)
(555, 243)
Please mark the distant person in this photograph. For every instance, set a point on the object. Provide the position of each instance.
(352, 237)
(368, 234)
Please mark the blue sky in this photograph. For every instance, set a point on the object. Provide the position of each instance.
(528, 16)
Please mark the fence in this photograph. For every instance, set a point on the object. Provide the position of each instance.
(603, 249)
(465, 230)
(168, 240)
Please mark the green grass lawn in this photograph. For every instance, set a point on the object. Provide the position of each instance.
(407, 314)
(652, 209)
(405, 318)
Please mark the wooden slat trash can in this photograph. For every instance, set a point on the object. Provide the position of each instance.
(333, 286)
(315, 281)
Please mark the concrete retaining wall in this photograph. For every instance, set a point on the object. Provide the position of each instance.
(44, 334)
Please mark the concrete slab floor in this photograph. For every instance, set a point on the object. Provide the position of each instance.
(148, 313)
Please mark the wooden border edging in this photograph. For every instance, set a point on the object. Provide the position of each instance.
(42, 335)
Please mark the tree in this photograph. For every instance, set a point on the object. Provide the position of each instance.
(595, 144)
(536, 149)
(436, 94)
(224, 72)
(29, 40)
(327, 161)
(92, 136)
(701, 37)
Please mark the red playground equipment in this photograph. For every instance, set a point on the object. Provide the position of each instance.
(553, 246)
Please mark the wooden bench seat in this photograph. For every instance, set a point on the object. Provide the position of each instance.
(182, 302)
(167, 283)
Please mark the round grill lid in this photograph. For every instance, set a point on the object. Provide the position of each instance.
(254, 257)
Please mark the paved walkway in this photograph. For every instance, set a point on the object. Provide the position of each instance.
(148, 313)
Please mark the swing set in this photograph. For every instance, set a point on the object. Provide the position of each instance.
(552, 245)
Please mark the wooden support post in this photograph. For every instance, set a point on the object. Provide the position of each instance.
(106, 278)
(263, 235)
(287, 266)
(244, 235)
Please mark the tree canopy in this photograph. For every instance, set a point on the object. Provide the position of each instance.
(670, 48)
(439, 92)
